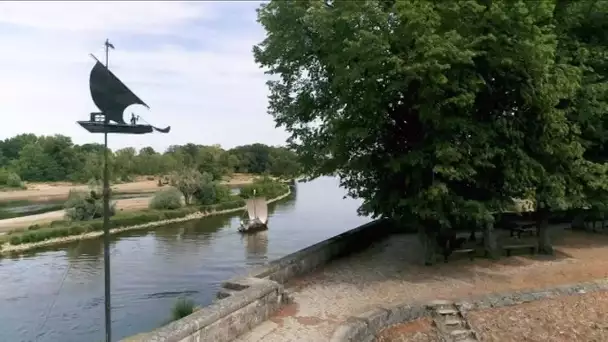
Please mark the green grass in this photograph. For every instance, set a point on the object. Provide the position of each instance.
(182, 308)
(5, 214)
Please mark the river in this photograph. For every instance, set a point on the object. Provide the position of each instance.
(150, 269)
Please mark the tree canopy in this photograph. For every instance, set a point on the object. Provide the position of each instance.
(443, 111)
(57, 158)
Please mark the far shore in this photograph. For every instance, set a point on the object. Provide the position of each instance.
(53, 191)
(41, 192)
(7, 248)
(125, 204)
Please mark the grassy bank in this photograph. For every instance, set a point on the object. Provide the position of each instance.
(64, 231)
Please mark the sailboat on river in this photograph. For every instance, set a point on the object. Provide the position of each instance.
(257, 215)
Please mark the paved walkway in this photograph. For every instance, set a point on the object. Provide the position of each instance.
(390, 272)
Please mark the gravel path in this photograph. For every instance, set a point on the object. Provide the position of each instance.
(390, 272)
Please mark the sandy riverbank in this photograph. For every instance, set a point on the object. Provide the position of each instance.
(126, 204)
(8, 248)
(41, 192)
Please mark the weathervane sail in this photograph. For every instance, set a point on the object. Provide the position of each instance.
(112, 97)
(110, 94)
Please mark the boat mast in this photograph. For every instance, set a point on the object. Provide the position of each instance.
(255, 215)
(106, 219)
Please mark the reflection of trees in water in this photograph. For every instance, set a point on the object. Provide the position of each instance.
(89, 247)
(191, 234)
(284, 204)
(256, 245)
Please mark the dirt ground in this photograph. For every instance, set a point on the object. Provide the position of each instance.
(564, 319)
(420, 330)
(391, 272)
(41, 192)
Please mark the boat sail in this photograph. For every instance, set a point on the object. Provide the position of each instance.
(257, 215)
(112, 97)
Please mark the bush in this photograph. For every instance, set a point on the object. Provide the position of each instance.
(10, 179)
(170, 198)
(212, 193)
(14, 181)
(84, 206)
(264, 187)
(182, 308)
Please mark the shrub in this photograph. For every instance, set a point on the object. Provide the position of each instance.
(182, 308)
(14, 181)
(84, 206)
(170, 198)
(212, 193)
(264, 187)
(33, 227)
(10, 179)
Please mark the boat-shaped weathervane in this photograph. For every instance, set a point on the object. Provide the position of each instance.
(112, 97)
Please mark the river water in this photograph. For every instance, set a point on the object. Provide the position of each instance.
(57, 295)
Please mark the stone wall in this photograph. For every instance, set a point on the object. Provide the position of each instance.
(310, 258)
(247, 301)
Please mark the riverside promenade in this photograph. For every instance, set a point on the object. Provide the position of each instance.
(390, 272)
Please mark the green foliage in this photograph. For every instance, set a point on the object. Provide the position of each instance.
(10, 179)
(182, 308)
(188, 182)
(14, 181)
(263, 187)
(233, 204)
(56, 158)
(443, 112)
(170, 198)
(210, 191)
(261, 159)
(84, 206)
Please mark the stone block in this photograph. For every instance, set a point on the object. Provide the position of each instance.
(353, 330)
(405, 313)
(376, 319)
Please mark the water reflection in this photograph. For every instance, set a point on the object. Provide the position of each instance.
(256, 246)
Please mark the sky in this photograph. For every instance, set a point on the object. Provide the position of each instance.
(191, 62)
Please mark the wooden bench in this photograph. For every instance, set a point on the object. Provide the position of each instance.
(524, 228)
(509, 248)
(468, 251)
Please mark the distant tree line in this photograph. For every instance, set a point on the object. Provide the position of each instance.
(56, 158)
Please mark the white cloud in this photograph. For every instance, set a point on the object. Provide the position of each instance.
(118, 16)
(210, 92)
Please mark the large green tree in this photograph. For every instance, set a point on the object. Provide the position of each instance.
(436, 113)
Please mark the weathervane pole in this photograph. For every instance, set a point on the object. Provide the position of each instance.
(111, 97)
(106, 221)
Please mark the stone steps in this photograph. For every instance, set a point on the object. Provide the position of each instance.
(450, 323)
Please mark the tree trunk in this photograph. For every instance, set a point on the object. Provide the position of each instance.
(544, 236)
(579, 221)
(489, 241)
(428, 241)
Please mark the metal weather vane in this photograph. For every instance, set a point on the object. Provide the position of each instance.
(112, 97)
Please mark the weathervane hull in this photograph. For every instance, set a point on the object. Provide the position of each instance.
(101, 127)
